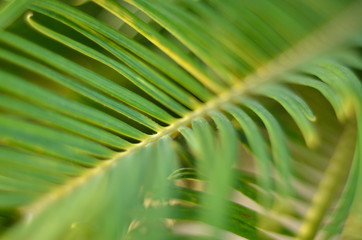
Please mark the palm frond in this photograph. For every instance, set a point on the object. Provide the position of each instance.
(216, 120)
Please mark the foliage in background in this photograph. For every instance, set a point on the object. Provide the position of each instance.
(180, 119)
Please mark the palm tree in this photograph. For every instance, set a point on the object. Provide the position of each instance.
(180, 119)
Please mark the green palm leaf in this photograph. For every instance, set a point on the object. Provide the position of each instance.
(191, 120)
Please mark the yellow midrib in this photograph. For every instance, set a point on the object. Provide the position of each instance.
(335, 32)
